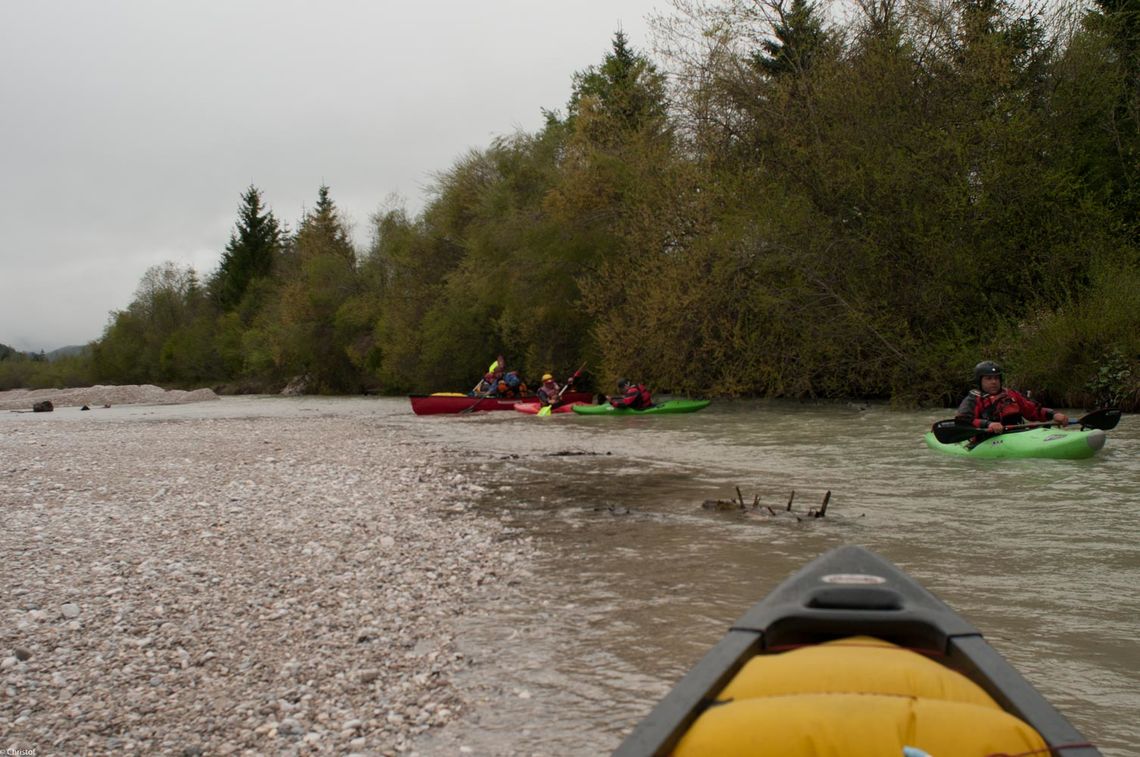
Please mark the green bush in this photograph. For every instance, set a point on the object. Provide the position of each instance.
(1085, 353)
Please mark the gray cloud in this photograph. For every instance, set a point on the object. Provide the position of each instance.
(129, 128)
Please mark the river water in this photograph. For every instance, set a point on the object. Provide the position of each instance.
(636, 580)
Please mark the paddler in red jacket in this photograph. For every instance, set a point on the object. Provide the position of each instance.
(634, 396)
(991, 407)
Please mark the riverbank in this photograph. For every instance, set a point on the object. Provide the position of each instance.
(100, 396)
(235, 585)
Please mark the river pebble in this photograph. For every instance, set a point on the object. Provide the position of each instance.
(236, 586)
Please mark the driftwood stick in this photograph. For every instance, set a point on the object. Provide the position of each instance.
(756, 502)
(790, 498)
(770, 510)
(823, 507)
(741, 496)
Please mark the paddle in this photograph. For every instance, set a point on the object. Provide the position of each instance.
(471, 408)
(550, 407)
(951, 431)
(479, 397)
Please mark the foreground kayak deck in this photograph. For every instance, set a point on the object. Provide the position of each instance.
(852, 657)
(670, 406)
(1056, 443)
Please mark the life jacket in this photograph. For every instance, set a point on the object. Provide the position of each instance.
(511, 385)
(637, 397)
(998, 407)
(1008, 406)
(548, 392)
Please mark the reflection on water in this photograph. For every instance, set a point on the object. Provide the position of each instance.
(636, 581)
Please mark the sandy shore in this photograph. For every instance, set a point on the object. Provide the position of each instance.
(225, 586)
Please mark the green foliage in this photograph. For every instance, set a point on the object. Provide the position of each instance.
(1109, 70)
(1085, 352)
(157, 338)
(292, 316)
(811, 210)
(21, 371)
(1117, 381)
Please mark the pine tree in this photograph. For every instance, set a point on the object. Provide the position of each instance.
(251, 252)
(627, 85)
(323, 230)
(314, 338)
(798, 36)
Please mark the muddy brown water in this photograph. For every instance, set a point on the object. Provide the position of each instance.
(635, 580)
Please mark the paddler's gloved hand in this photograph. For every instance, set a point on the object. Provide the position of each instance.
(995, 428)
(1060, 419)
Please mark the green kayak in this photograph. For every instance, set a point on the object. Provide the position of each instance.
(1054, 443)
(670, 406)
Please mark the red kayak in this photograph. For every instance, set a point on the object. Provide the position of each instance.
(436, 404)
(531, 407)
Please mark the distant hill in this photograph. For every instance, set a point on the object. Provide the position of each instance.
(7, 352)
(75, 349)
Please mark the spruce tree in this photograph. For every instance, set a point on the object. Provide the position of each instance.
(251, 252)
(323, 230)
(798, 36)
(627, 85)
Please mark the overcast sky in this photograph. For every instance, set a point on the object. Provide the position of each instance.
(130, 128)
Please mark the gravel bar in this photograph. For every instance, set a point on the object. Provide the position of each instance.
(236, 586)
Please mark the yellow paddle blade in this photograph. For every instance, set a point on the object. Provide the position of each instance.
(545, 410)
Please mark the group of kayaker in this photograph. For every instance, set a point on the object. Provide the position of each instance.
(499, 382)
(990, 406)
(508, 384)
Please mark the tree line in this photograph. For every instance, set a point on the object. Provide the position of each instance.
(802, 207)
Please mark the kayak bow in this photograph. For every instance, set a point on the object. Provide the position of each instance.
(852, 657)
(1056, 443)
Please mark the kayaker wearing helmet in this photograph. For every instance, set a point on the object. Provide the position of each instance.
(991, 407)
(511, 385)
(549, 391)
(634, 396)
